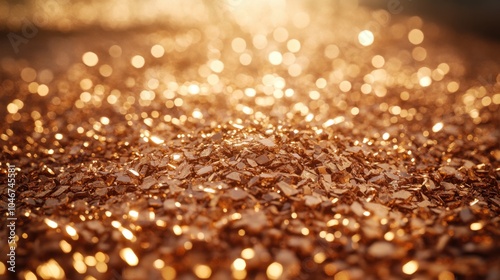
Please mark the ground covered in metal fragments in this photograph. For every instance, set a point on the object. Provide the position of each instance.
(240, 145)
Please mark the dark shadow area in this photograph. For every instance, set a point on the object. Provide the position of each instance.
(479, 17)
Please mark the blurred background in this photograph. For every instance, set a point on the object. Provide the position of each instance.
(473, 16)
(53, 34)
(478, 16)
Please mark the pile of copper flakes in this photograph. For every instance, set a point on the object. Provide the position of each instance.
(166, 154)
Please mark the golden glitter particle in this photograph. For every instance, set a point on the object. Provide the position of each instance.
(274, 270)
(248, 253)
(188, 245)
(389, 236)
(147, 95)
(105, 70)
(115, 51)
(33, 87)
(321, 83)
(437, 127)
(71, 231)
(157, 140)
(153, 83)
(194, 89)
(332, 222)
(476, 226)
(133, 214)
(314, 95)
(158, 264)
(50, 270)
(12, 108)
(29, 275)
(366, 88)
(202, 271)
(345, 222)
(259, 41)
(378, 61)
(410, 267)
(446, 275)
(444, 67)
(245, 59)
(419, 54)
(293, 45)
(90, 59)
(77, 256)
(472, 203)
(101, 267)
(216, 65)
(425, 81)
(51, 223)
(239, 264)
(100, 257)
(137, 61)
(295, 70)
(133, 172)
(80, 266)
(330, 269)
(46, 76)
(275, 58)
(235, 216)
(332, 51)
(177, 230)
(386, 136)
(178, 102)
(496, 99)
(2, 268)
(345, 86)
(452, 87)
(129, 256)
(239, 45)
(319, 258)
(486, 101)
(416, 36)
(104, 120)
(28, 74)
(90, 261)
(366, 38)
(86, 84)
(342, 275)
(127, 234)
(157, 51)
(42, 90)
(334, 121)
(65, 246)
(239, 274)
(280, 34)
(168, 273)
(404, 95)
(309, 118)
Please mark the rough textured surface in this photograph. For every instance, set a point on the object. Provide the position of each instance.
(262, 145)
